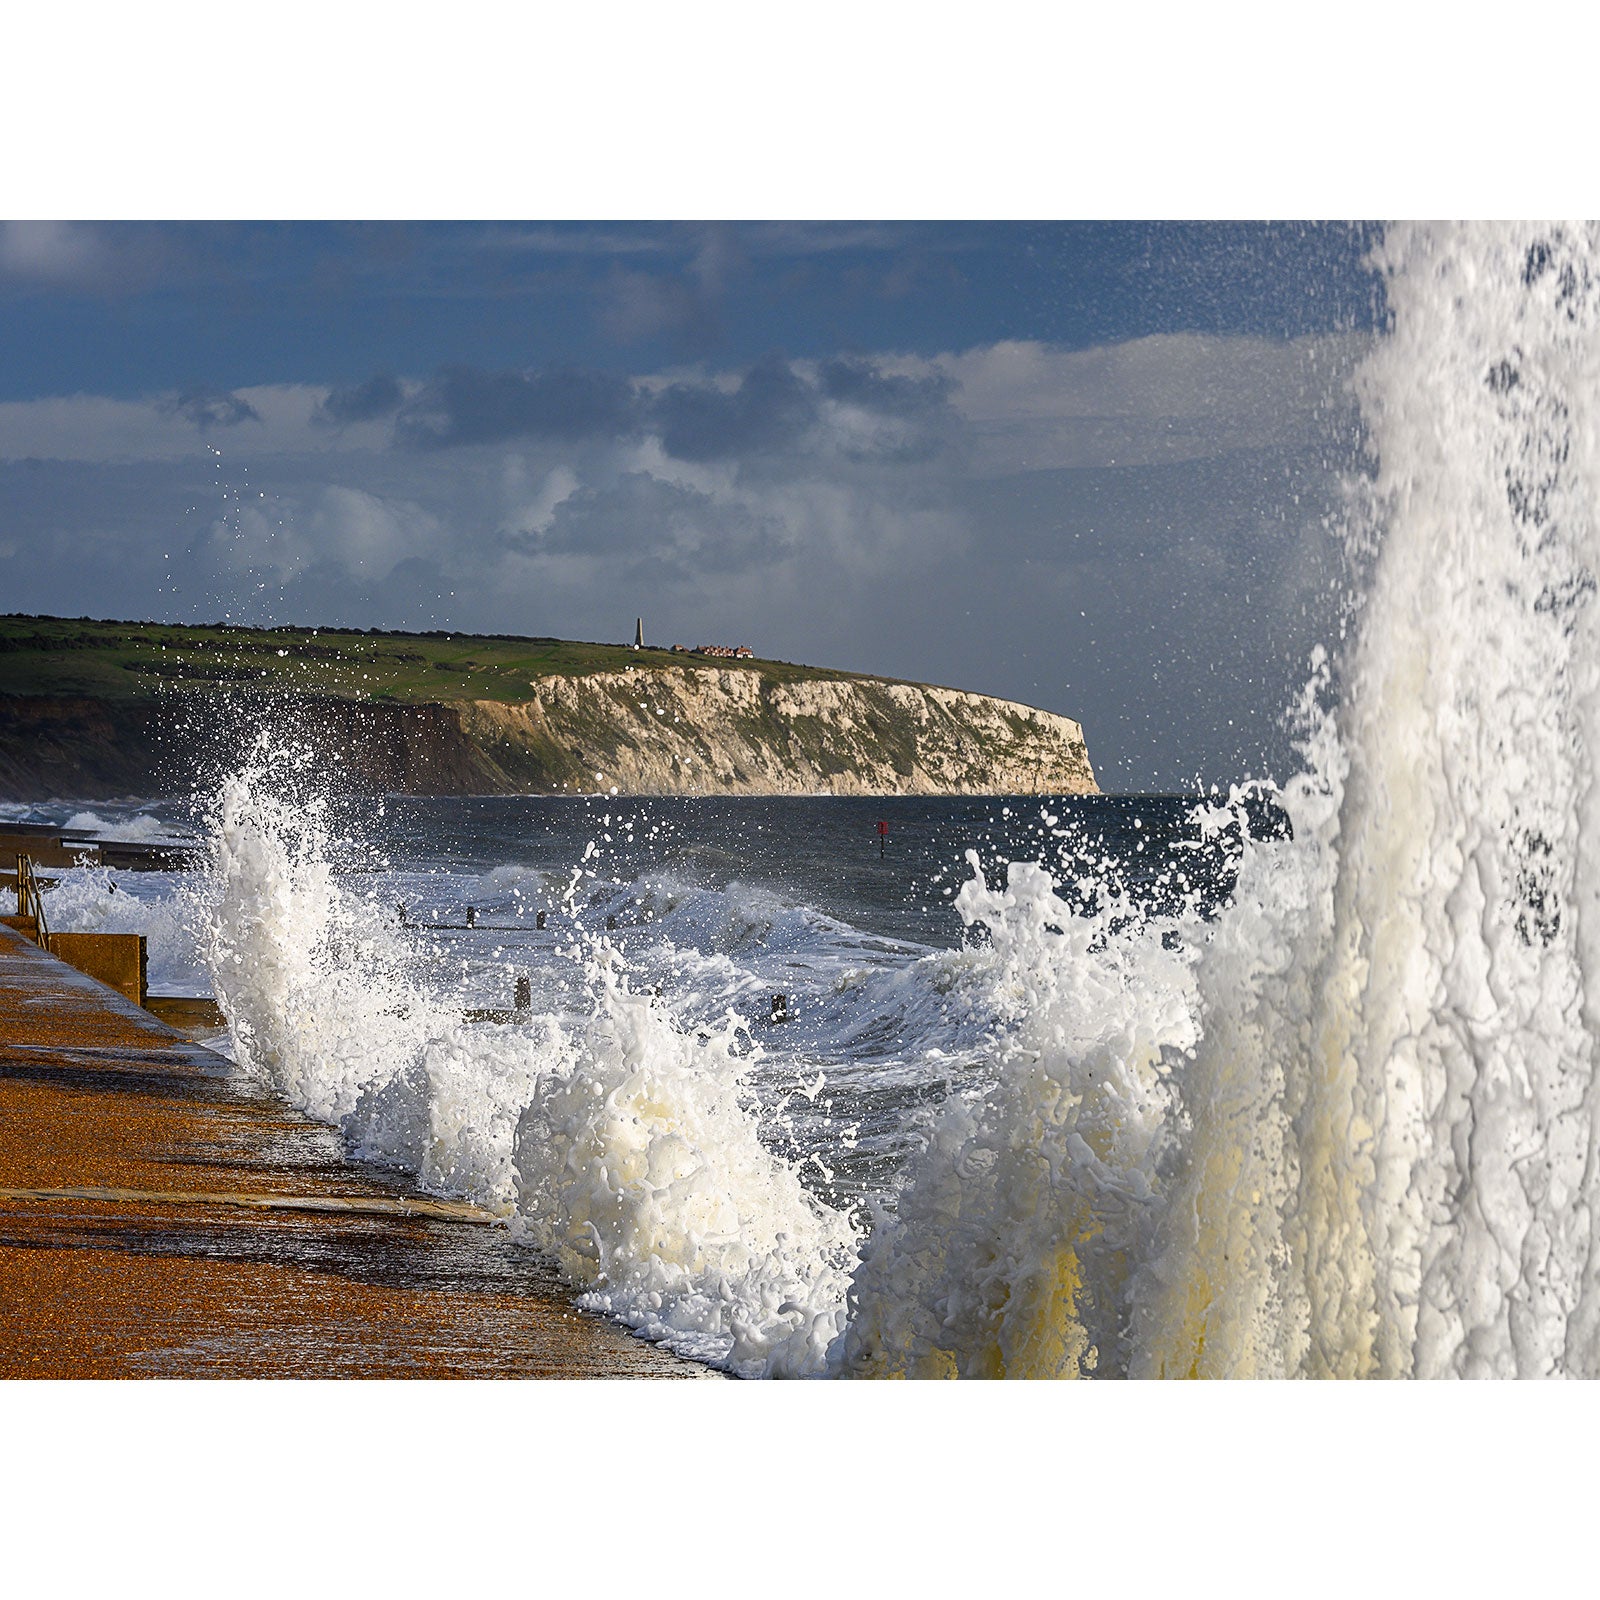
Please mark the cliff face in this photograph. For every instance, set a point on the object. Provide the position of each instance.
(668, 730)
(697, 730)
(75, 745)
(60, 747)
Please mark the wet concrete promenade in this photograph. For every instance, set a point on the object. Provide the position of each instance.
(158, 1219)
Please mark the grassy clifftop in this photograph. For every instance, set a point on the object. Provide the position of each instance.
(122, 661)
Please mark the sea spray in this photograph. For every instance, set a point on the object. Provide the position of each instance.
(631, 1144)
(1378, 1154)
(709, 1191)
(643, 1171)
(1466, 871)
(1215, 1295)
(1011, 1246)
(306, 972)
(160, 906)
(1428, 1067)
(624, 1145)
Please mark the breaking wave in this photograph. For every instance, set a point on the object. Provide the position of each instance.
(624, 1145)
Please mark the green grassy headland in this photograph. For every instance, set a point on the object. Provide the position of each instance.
(123, 661)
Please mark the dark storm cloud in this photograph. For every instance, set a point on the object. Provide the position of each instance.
(921, 406)
(465, 406)
(214, 408)
(769, 411)
(377, 397)
(860, 383)
(1168, 601)
(773, 410)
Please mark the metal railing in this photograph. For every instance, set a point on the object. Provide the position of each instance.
(30, 903)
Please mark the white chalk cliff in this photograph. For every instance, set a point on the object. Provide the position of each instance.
(704, 730)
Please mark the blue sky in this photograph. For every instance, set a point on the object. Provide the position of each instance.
(131, 308)
(1089, 466)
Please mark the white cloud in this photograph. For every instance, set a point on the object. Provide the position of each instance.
(1026, 406)
(715, 479)
(853, 430)
(91, 428)
(580, 241)
(51, 252)
(1164, 398)
(256, 541)
(261, 543)
(964, 566)
(367, 534)
(530, 505)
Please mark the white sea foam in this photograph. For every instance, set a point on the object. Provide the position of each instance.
(140, 828)
(1426, 1058)
(643, 1171)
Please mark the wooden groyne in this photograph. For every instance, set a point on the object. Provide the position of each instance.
(159, 1218)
